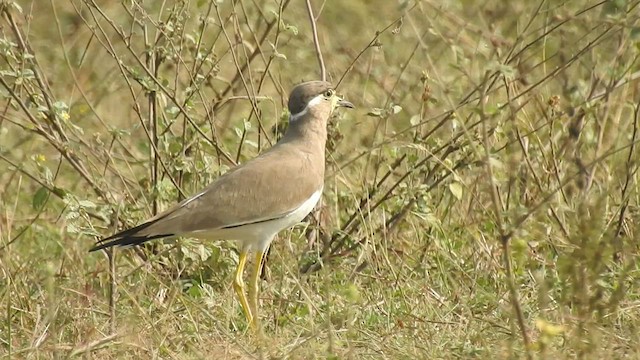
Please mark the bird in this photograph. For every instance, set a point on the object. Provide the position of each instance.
(252, 202)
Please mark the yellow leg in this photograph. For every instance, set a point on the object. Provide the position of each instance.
(238, 286)
(254, 289)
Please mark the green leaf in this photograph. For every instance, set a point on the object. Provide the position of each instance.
(352, 293)
(60, 106)
(73, 228)
(292, 28)
(276, 53)
(456, 190)
(376, 112)
(86, 204)
(634, 33)
(251, 143)
(40, 198)
(194, 291)
(203, 252)
(175, 147)
(614, 7)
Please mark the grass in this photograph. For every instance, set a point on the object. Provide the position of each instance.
(481, 202)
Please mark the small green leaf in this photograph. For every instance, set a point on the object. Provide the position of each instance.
(172, 110)
(614, 7)
(203, 252)
(86, 204)
(376, 112)
(352, 294)
(456, 190)
(73, 228)
(276, 53)
(175, 147)
(7, 73)
(28, 74)
(194, 291)
(40, 198)
(634, 33)
(60, 106)
(292, 28)
(548, 328)
(495, 163)
(253, 144)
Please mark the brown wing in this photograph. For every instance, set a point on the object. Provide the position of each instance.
(243, 194)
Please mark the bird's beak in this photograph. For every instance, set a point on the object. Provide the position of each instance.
(344, 103)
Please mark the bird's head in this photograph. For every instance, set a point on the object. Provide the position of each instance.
(316, 97)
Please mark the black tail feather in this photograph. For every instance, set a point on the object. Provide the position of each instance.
(126, 241)
(128, 237)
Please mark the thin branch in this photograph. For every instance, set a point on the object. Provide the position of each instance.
(372, 43)
(316, 42)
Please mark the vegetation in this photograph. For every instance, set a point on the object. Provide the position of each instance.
(481, 202)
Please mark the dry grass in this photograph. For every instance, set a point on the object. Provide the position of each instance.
(481, 202)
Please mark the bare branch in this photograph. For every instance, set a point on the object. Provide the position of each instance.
(316, 42)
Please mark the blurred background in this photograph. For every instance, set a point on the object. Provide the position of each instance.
(480, 202)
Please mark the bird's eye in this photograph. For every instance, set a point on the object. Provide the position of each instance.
(328, 93)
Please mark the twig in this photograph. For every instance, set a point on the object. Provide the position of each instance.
(111, 255)
(126, 72)
(498, 209)
(250, 94)
(316, 215)
(373, 42)
(255, 53)
(94, 345)
(316, 42)
(154, 154)
(112, 288)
